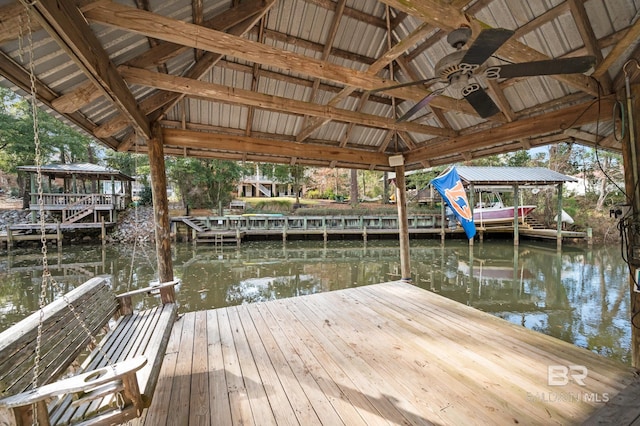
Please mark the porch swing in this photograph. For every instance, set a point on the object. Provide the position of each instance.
(116, 380)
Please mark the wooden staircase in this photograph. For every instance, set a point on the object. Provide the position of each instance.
(78, 210)
(196, 224)
(534, 223)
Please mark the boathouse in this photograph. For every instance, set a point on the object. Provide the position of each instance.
(378, 85)
(514, 180)
(75, 196)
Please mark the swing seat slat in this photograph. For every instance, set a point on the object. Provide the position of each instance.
(132, 337)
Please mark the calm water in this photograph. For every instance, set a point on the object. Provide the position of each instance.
(579, 295)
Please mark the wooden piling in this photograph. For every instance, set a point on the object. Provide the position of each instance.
(403, 223)
(160, 204)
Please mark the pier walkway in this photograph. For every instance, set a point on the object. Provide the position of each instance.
(388, 353)
(236, 228)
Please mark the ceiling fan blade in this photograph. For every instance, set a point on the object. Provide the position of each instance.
(417, 107)
(485, 45)
(575, 65)
(426, 82)
(480, 100)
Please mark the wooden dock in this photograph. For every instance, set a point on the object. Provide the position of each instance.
(382, 354)
(53, 232)
(234, 229)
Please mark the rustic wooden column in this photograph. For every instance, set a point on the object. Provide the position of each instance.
(630, 150)
(403, 223)
(516, 216)
(471, 205)
(559, 222)
(443, 219)
(160, 205)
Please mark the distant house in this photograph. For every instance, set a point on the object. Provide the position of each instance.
(79, 192)
(259, 185)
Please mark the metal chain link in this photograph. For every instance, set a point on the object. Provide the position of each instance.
(47, 279)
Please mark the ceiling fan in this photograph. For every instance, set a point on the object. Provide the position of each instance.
(458, 68)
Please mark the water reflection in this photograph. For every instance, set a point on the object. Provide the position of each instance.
(578, 295)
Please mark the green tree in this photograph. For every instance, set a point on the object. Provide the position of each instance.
(518, 159)
(203, 183)
(126, 162)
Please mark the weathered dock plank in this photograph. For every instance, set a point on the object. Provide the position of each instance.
(388, 353)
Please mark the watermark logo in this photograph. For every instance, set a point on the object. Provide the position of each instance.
(561, 375)
(564, 375)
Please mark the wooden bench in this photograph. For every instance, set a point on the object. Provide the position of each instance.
(237, 205)
(117, 378)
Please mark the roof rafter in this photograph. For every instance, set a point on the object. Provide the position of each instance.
(446, 17)
(194, 36)
(528, 127)
(65, 23)
(200, 68)
(252, 145)
(21, 78)
(199, 89)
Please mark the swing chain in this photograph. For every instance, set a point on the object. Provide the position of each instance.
(46, 273)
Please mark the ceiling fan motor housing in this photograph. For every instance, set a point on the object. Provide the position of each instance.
(452, 70)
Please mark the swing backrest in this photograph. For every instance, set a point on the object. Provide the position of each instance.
(63, 335)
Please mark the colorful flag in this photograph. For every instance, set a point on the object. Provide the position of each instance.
(450, 188)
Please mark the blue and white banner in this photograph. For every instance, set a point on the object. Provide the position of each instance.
(450, 188)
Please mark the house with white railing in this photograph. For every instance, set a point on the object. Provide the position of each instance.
(78, 193)
(261, 185)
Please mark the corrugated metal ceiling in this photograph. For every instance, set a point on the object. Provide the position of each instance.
(304, 28)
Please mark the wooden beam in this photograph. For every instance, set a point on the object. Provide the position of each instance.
(384, 60)
(64, 22)
(542, 19)
(179, 32)
(221, 22)
(20, 77)
(356, 14)
(442, 15)
(219, 93)
(121, 122)
(501, 100)
(200, 68)
(631, 37)
(317, 47)
(252, 145)
(579, 14)
(575, 116)
(157, 55)
(328, 44)
(79, 97)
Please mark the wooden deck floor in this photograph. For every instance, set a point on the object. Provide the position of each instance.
(382, 354)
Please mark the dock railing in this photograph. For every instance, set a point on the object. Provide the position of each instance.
(60, 201)
(267, 222)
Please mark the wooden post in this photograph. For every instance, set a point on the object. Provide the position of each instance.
(559, 223)
(284, 231)
(471, 204)
(516, 216)
(103, 233)
(442, 221)
(630, 148)
(403, 224)
(33, 197)
(160, 205)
